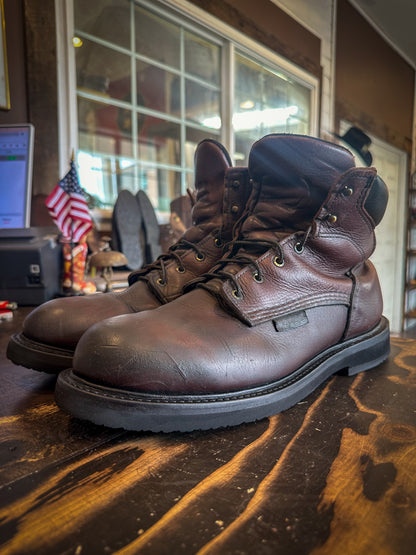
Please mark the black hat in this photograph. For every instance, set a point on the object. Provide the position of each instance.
(359, 142)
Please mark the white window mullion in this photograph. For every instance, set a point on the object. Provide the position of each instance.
(227, 97)
(66, 74)
(134, 131)
(183, 110)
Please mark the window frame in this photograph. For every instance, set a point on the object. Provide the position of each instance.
(230, 39)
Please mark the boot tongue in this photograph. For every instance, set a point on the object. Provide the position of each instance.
(211, 164)
(293, 175)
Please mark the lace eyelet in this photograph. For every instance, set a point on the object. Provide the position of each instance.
(218, 243)
(332, 218)
(161, 282)
(299, 247)
(200, 257)
(258, 277)
(180, 269)
(236, 293)
(278, 262)
(347, 191)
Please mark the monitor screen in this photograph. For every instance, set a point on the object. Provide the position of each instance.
(16, 157)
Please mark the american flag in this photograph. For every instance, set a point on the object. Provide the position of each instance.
(68, 207)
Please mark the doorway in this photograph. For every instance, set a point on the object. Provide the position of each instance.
(389, 256)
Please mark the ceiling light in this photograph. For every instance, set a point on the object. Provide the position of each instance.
(247, 105)
(77, 42)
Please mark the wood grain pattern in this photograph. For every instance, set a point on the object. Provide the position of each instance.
(333, 475)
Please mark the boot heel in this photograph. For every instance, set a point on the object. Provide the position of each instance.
(369, 353)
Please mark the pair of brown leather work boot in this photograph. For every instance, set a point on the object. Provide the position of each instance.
(251, 331)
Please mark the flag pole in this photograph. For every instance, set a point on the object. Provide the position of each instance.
(72, 257)
(72, 241)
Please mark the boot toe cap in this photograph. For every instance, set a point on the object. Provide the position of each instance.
(62, 322)
(109, 354)
(51, 323)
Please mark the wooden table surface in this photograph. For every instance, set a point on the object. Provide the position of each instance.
(335, 474)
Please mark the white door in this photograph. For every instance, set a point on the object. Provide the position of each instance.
(389, 256)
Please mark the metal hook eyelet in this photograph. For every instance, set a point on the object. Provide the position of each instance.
(332, 218)
(258, 277)
(299, 247)
(278, 262)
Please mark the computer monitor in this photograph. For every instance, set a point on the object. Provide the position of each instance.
(16, 160)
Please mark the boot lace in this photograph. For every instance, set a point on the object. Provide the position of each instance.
(175, 252)
(241, 253)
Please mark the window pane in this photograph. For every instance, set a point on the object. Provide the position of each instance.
(159, 140)
(106, 19)
(161, 186)
(103, 70)
(103, 177)
(301, 97)
(104, 128)
(105, 150)
(265, 102)
(158, 89)
(202, 58)
(157, 38)
(202, 105)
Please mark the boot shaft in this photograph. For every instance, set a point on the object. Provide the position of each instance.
(211, 163)
(343, 229)
(283, 264)
(292, 176)
(222, 192)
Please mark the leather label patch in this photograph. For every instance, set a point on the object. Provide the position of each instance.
(291, 321)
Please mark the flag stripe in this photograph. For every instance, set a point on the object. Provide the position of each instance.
(68, 207)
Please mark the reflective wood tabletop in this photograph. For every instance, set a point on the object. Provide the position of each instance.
(335, 474)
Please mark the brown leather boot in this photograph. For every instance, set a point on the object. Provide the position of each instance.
(294, 301)
(51, 332)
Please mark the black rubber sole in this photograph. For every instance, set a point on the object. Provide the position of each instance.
(38, 356)
(168, 413)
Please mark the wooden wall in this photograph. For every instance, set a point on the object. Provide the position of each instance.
(31, 56)
(374, 84)
(15, 38)
(266, 23)
(42, 90)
